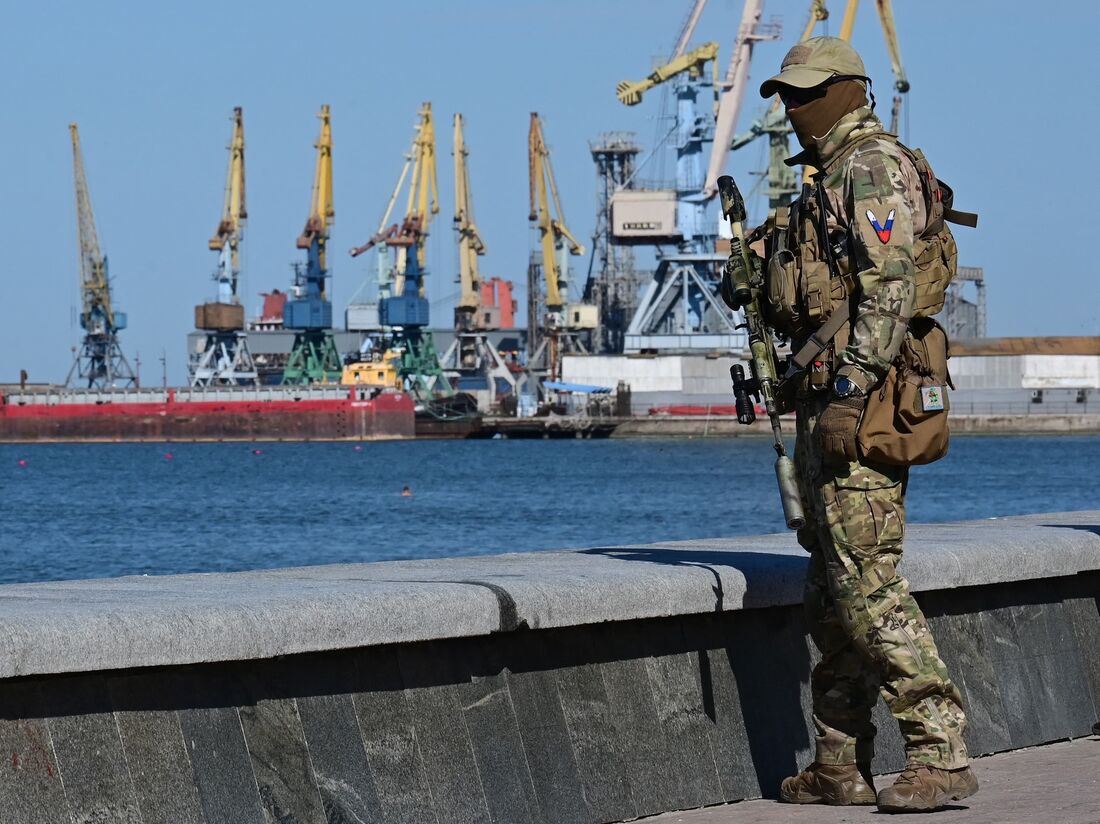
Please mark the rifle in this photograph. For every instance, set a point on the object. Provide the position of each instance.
(748, 285)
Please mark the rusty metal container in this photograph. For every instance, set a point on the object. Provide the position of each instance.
(219, 317)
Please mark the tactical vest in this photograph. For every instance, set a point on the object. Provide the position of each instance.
(804, 290)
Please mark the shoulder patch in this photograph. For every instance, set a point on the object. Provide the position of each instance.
(883, 230)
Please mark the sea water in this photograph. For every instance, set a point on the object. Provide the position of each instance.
(83, 511)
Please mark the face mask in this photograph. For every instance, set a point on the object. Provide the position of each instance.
(816, 118)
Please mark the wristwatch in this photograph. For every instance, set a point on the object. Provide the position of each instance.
(845, 388)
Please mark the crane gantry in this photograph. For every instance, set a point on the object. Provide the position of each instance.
(314, 357)
(99, 361)
(225, 359)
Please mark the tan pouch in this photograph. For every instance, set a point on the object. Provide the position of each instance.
(905, 422)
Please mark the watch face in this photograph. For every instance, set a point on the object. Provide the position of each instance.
(842, 387)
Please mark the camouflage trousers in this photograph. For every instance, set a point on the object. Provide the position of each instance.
(872, 635)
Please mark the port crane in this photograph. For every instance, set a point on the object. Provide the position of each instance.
(562, 323)
(403, 308)
(679, 309)
(99, 362)
(225, 359)
(314, 357)
(471, 352)
(421, 204)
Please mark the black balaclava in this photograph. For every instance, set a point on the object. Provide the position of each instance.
(815, 119)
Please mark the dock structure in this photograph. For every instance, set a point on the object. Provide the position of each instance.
(594, 685)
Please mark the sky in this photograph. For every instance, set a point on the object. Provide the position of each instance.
(1003, 103)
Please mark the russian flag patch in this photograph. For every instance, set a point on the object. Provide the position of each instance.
(883, 232)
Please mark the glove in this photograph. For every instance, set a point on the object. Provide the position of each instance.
(734, 267)
(837, 426)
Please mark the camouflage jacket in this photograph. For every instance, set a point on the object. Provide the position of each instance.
(874, 198)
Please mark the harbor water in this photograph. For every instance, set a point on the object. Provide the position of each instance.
(84, 511)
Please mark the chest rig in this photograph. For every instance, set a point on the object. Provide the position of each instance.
(812, 264)
(809, 261)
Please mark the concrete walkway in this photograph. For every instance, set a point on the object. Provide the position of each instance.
(1055, 784)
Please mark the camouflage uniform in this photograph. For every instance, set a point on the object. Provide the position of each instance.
(870, 631)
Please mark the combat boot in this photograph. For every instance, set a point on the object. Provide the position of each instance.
(921, 787)
(836, 784)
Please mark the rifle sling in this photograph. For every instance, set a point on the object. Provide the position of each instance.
(961, 218)
(819, 340)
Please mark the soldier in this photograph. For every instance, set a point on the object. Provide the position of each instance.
(858, 260)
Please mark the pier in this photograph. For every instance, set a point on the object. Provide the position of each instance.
(593, 685)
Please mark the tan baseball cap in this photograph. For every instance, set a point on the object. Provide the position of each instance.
(812, 62)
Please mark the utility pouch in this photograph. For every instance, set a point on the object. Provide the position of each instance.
(782, 285)
(905, 421)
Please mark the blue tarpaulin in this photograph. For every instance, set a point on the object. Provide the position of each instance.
(576, 387)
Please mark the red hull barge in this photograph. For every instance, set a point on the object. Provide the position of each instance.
(281, 413)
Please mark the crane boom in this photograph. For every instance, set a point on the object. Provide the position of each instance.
(555, 237)
(96, 314)
(234, 213)
(424, 187)
(470, 244)
(688, 28)
(890, 31)
(630, 92)
(733, 93)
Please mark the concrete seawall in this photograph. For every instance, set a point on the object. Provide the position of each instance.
(585, 686)
(726, 426)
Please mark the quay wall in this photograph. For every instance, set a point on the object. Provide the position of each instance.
(593, 685)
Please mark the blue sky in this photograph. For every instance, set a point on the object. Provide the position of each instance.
(998, 95)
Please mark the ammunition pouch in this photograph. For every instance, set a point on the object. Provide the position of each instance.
(802, 289)
(905, 421)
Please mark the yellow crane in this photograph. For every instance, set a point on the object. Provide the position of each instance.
(99, 360)
(321, 211)
(421, 203)
(471, 352)
(224, 358)
(227, 238)
(546, 212)
(563, 321)
(314, 357)
(470, 244)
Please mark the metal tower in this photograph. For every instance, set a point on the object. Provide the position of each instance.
(613, 288)
(225, 359)
(99, 361)
(313, 357)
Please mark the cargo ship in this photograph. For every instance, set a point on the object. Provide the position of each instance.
(261, 413)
